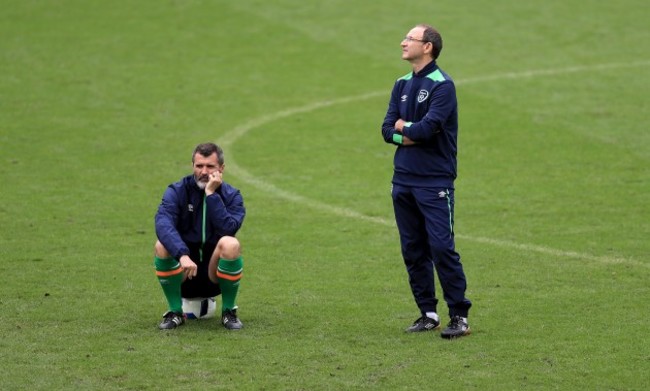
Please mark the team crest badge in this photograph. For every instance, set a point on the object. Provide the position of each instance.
(423, 95)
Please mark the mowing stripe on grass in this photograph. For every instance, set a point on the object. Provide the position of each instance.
(232, 136)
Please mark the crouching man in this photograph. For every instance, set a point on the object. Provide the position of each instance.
(196, 254)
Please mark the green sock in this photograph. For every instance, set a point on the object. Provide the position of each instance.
(229, 273)
(170, 276)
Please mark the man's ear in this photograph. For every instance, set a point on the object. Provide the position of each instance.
(430, 51)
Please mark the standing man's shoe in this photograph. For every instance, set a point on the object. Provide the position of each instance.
(424, 323)
(457, 327)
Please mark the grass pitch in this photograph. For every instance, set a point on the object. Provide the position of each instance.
(102, 103)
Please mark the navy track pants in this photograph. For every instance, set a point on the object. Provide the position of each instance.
(425, 220)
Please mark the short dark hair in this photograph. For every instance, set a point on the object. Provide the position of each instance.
(432, 35)
(207, 149)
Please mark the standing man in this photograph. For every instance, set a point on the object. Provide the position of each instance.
(196, 254)
(422, 121)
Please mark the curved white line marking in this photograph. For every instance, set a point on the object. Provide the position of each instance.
(231, 137)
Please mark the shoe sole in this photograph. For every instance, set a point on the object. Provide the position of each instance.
(170, 328)
(422, 330)
(466, 333)
(241, 326)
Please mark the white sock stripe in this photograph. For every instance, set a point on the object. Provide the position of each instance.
(233, 273)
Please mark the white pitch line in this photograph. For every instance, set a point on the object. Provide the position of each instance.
(552, 251)
(235, 134)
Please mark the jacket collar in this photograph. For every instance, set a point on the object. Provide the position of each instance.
(430, 67)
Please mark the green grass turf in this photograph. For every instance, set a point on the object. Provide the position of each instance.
(101, 104)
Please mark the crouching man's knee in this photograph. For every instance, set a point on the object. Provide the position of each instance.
(228, 247)
(160, 251)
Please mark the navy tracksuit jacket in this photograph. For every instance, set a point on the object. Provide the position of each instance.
(182, 225)
(423, 185)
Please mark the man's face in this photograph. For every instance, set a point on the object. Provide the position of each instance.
(413, 48)
(204, 166)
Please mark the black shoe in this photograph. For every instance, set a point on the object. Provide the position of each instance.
(423, 324)
(457, 327)
(171, 320)
(230, 320)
